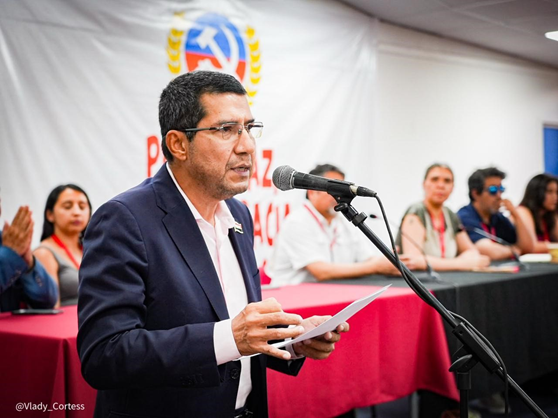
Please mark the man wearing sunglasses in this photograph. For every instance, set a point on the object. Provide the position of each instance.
(483, 214)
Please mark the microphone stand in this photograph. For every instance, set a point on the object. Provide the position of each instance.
(474, 349)
(498, 240)
(430, 273)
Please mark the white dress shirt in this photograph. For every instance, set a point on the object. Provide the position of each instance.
(230, 276)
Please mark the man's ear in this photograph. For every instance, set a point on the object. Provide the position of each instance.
(176, 143)
(475, 194)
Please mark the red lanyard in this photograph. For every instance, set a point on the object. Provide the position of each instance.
(332, 242)
(491, 231)
(63, 246)
(441, 232)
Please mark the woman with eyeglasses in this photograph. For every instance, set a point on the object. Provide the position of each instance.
(538, 210)
(66, 215)
(432, 229)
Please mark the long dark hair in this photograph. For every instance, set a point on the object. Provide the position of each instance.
(48, 227)
(535, 193)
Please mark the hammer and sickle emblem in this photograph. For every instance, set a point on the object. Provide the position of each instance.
(207, 39)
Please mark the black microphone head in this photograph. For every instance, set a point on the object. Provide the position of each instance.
(282, 177)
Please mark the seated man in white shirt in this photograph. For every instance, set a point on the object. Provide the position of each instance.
(316, 243)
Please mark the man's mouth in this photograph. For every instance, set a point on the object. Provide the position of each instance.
(242, 169)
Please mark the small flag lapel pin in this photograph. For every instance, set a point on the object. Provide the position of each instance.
(238, 227)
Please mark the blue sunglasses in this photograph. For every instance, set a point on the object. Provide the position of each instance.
(493, 190)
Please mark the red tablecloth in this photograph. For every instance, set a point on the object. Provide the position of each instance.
(39, 364)
(396, 345)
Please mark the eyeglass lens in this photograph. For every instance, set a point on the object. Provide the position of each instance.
(495, 189)
(233, 129)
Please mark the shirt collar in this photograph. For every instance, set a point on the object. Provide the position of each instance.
(491, 220)
(223, 213)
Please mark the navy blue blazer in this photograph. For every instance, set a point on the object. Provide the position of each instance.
(149, 297)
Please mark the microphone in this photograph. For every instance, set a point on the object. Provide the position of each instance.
(498, 240)
(430, 272)
(287, 178)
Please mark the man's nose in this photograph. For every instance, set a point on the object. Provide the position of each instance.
(246, 144)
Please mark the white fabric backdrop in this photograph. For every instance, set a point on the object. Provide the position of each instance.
(81, 79)
(80, 82)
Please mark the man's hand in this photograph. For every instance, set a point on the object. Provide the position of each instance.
(412, 261)
(508, 205)
(18, 235)
(321, 347)
(472, 260)
(383, 266)
(251, 332)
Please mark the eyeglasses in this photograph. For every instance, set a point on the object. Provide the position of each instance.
(493, 190)
(232, 130)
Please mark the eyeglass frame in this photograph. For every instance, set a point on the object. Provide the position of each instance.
(220, 128)
(493, 190)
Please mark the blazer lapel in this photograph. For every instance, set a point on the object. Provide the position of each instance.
(185, 233)
(252, 291)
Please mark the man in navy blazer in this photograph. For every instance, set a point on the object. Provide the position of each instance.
(169, 296)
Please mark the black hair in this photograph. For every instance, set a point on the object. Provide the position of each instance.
(477, 179)
(533, 199)
(321, 169)
(48, 227)
(438, 165)
(180, 106)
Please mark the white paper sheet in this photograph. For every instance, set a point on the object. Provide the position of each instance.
(333, 322)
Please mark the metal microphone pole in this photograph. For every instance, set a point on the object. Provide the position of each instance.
(498, 240)
(431, 274)
(474, 350)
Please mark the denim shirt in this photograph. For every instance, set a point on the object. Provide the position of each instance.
(20, 284)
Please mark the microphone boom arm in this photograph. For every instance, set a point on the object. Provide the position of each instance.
(474, 348)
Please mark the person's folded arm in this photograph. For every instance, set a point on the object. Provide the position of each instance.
(494, 250)
(525, 239)
(323, 270)
(12, 267)
(40, 289)
(524, 215)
